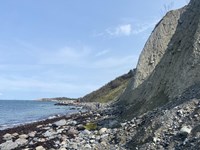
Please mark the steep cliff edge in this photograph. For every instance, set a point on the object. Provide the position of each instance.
(156, 46)
(176, 71)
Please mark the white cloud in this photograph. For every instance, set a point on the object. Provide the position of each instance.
(121, 30)
(101, 53)
(133, 28)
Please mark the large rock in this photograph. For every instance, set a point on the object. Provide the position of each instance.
(21, 142)
(23, 136)
(7, 136)
(8, 145)
(103, 130)
(60, 123)
(72, 132)
(49, 133)
(40, 148)
(186, 130)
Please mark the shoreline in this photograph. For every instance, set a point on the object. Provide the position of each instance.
(25, 128)
(61, 130)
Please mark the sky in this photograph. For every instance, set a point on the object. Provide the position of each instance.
(55, 48)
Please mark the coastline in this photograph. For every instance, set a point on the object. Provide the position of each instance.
(60, 129)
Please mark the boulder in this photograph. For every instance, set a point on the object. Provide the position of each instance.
(7, 137)
(21, 141)
(72, 132)
(40, 148)
(186, 130)
(23, 136)
(60, 123)
(32, 134)
(8, 145)
(103, 130)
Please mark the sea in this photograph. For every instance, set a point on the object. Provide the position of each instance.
(17, 112)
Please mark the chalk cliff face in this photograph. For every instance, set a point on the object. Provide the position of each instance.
(169, 65)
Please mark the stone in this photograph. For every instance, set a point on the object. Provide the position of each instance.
(49, 133)
(23, 136)
(72, 132)
(62, 148)
(21, 141)
(103, 130)
(104, 143)
(41, 140)
(40, 148)
(92, 137)
(15, 134)
(32, 134)
(74, 146)
(80, 127)
(8, 145)
(155, 139)
(72, 123)
(92, 141)
(86, 132)
(60, 131)
(87, 146)
(39, 126)
(60, 123)
(7, 137)
(186, 130)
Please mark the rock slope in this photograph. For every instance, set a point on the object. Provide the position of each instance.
(176, 72)
(156, 46)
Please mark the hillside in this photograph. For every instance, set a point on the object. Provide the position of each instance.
(110, 91)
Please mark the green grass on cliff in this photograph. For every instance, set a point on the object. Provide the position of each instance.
(110, 91)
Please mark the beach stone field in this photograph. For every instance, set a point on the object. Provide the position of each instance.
(99, 129)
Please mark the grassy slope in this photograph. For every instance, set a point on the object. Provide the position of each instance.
(110, 91)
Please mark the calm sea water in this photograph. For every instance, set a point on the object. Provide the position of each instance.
(15, 112)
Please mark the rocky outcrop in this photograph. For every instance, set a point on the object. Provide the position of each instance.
(176, 72)
(156, 46)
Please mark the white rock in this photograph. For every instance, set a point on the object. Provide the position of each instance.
(8, 145)
(60, 123)
(7, 136)
(92, 141)
(103, 130)
(155, 139)
(186, 129)
(41, 140)
(62, 148)
(32, 134)
(88, 146)
(21, 141)
(15, 134)
(86, 132)
(104, 143)
(72, 123)
(23, 136)
(40, 148)
(49, 133)
(39, 126)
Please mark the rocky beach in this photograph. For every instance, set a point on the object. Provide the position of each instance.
(156, 106)
(99, 129)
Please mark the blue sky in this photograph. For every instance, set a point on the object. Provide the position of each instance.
(69, 48)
